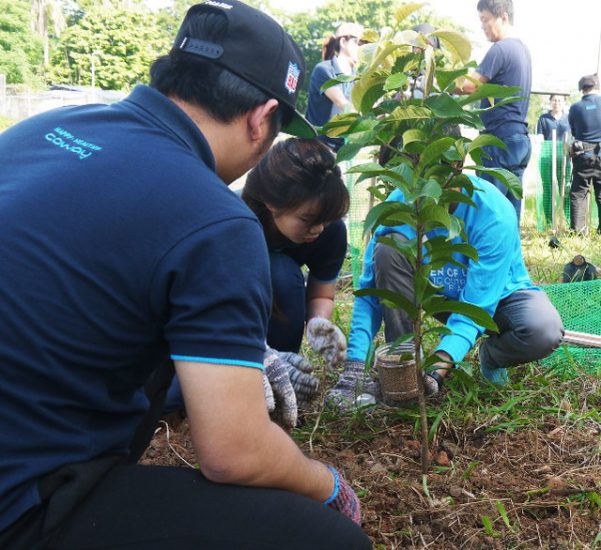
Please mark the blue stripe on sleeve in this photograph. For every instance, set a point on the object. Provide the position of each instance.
(214, 361)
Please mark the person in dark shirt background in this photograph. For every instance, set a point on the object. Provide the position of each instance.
(585, 123)
(555, 119)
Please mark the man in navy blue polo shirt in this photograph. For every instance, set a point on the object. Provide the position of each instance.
(554, 119)
(507, 63)
(124, 252)
(585, 122)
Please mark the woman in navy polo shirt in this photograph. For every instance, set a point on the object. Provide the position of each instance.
(299, 196)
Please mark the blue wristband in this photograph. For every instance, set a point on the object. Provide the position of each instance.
(334, 494)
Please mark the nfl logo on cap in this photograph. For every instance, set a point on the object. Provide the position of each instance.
(292, 77)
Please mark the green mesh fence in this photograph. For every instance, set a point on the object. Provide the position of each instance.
(579, 305)
(544, 195)
(361, 201)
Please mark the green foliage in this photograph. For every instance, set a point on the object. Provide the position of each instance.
(311, 29)
(120, 44)
(20, 49)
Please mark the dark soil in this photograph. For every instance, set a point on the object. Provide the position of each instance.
(536, 488)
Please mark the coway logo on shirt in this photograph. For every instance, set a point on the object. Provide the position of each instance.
(67, 141)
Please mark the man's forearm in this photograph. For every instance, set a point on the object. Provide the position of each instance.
(274, 460)
(235, 440)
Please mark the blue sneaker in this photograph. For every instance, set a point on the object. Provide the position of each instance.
(498, 377)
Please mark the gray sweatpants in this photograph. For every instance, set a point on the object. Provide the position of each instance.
(530, 328)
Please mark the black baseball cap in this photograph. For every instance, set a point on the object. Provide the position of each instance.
(255, 48)
(588, 81)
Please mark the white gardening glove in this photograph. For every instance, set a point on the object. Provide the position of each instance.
(285, 410)
(306, 386)
(327, 340)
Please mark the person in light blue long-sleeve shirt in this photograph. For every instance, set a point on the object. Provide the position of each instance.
(529, 326)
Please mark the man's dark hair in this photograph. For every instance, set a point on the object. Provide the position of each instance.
(497, 7)
(204, 83)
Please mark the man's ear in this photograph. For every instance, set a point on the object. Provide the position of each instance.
(259, 119)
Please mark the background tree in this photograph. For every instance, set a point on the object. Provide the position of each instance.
(118, 45)
(20, 49)
(47, 19)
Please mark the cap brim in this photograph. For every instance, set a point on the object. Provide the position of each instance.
(299, 126)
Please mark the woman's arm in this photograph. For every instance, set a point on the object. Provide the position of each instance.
(320, 298)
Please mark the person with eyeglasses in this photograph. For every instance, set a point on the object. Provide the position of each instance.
(340, 57)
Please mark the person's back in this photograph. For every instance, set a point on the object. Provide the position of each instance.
(507, 63)
(585, 118)
(585, 123)
(126, 257)
(88, 251)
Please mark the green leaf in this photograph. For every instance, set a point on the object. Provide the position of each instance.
(414, 134)
(442, 251)
(385, 213)
(390, 299)
(429, 70)
(436, 216)
(340, 79)
(395, 81)
(475, 313)
(490, 90)
(503, 514)
(456, 43)
(451, 196)
(485, 140)
(348, 151)
(444, 106)
(509, 179)
(339, 124)
(434, 151)
(406, 10)
(383, 57)
(367, 90)
(432, 190)
(435, 424)
(405, 247)
(410, 112)
(488, 526)
(424, 289)
(447, 78)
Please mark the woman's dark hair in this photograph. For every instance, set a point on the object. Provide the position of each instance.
(330, 47)
(204, 83)
(293, 172)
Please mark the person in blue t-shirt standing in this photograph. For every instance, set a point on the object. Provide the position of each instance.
(125, 256)
(585, 122)
(529, 326)
(340, 57)
(508, 63)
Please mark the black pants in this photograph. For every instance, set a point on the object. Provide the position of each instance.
(586, 170)
(153, 507)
